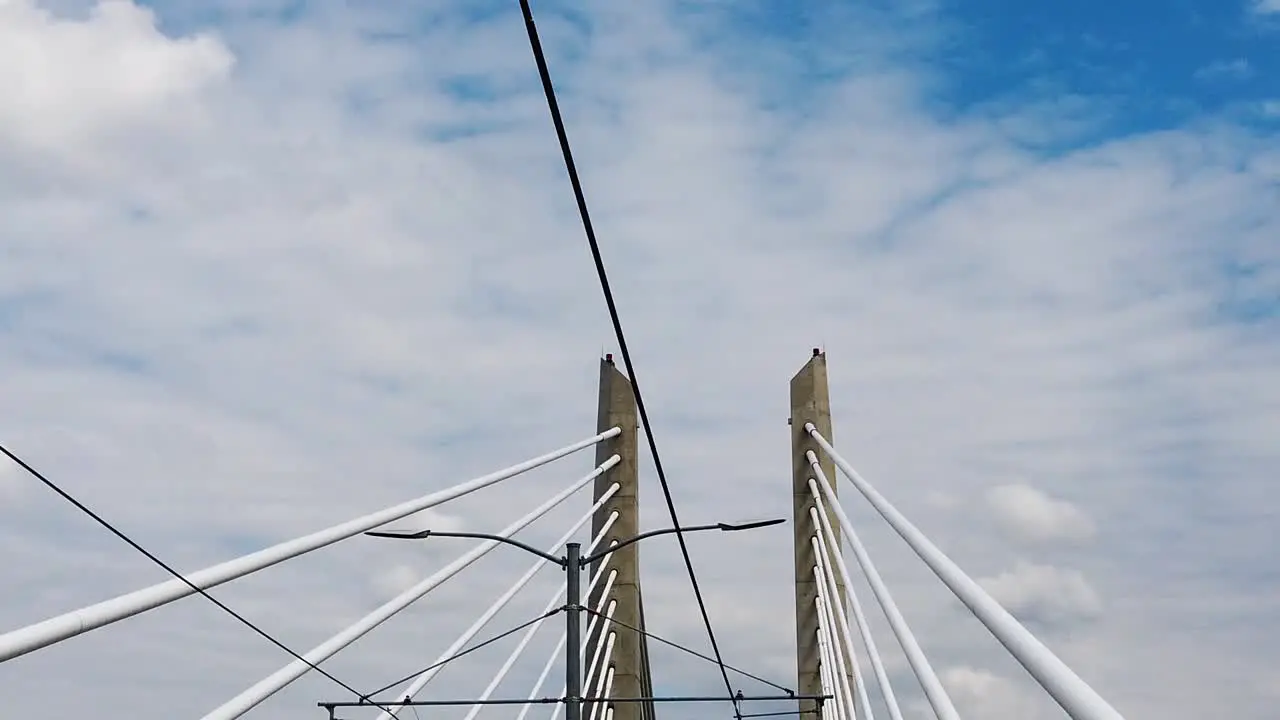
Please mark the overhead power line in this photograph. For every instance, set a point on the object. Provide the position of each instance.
(167, 568)
(562, 135)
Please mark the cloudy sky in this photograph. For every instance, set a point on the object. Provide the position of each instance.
(267, 265)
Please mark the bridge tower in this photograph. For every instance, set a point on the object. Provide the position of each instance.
(630, 660)
(810, 403)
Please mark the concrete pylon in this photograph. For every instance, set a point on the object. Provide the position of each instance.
(810, 403)
(617, 408)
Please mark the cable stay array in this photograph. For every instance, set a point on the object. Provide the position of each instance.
(841, 674)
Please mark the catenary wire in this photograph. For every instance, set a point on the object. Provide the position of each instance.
(562, 135)
(168, 568)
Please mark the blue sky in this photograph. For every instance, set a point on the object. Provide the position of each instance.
(270, 263)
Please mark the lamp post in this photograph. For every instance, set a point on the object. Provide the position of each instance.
(573, 562)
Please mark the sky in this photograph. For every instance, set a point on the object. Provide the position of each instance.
(265, 266)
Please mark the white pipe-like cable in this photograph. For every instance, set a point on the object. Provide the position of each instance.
(605, 673)
(828, 539)
(67, 625)
(608, 619)
(606, 688)
(495, 608)
(247, 700)
(934, 692)
(828, 575)
(555, 652)
(828, 614)
(830, 709)
(605, 643)
(533, 629)
(546, 670)
(599, 607)
(844, 700)
(1075, 696)
(608, 692)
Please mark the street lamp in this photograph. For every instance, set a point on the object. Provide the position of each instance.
(573, 562)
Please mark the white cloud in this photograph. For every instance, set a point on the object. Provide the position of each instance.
(1030, 514)
(1044, 593)
(397, 579)
(981, 693)
(1266, 7)
(347, 285)
(62, 78)
(1235, 69)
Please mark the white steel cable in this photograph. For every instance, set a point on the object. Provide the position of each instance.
(605, 644)
(69, 624)
(273, 683)
(605, 691)
(495, 608)
(934, 692)
(827, 612)
(828, 540)
(606, 672)
(1075, 696)
(829, 577)
(591, 624)
(595, 616)
(608, 692)
(555, 652)
(528, 635)
(608, 619)
(844, 702)
(831, 709)
(542, 678)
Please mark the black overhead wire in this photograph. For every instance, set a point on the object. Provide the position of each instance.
(690, 651)
(168, 568)
(468, 651)
(549, 90)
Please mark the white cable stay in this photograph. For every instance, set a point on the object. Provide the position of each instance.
(835, 669)
(599, 610)
(828, 539)
(533, 629)
(493, 609)
(934, 692)
(76, 622)
(827, 613)
(601, 710)
(555, 652)
(608, 692)
(595, 657)
(825, 562)
(830, 710)
(273, 683)
(1075, 696)
(603, 645)
(606, 676)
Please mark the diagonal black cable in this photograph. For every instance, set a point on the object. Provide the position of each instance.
(468, 651)
(691, 651)
(562, 135)
(150, 556)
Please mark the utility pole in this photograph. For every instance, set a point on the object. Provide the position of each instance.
(617, 408)
(810, 403)
(573, 632)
